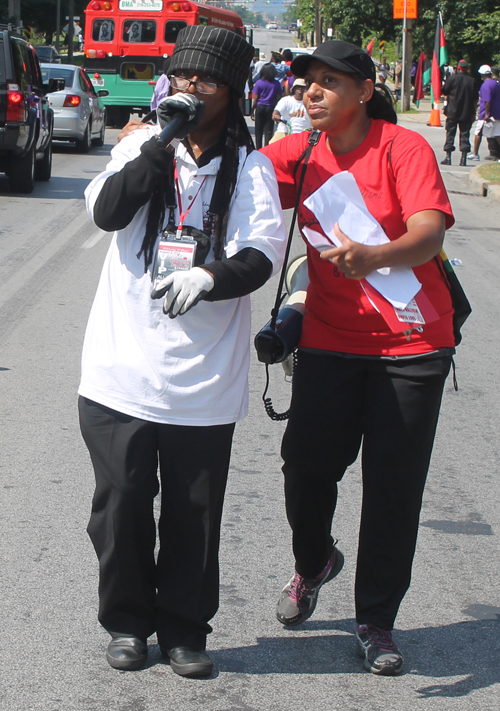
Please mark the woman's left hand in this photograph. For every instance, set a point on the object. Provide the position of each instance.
(354, 260)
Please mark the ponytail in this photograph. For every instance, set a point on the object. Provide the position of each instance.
(381, 106)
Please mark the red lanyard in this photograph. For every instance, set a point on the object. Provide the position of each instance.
(184, 214)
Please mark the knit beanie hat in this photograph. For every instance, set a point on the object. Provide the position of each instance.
(218, 52)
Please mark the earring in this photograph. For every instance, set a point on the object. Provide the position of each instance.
(361, 101)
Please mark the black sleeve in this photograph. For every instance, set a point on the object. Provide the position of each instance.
(125, 192)
(239, 275)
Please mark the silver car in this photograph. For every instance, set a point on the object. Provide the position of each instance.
(79, 113)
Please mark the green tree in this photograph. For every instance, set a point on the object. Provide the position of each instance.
(291, 14)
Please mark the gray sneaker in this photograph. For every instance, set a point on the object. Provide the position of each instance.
(298, 599)
(473, 156)
(376, 646)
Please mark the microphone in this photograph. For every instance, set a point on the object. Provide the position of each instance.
(178, 115)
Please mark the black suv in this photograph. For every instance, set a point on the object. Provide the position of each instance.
(26, 119)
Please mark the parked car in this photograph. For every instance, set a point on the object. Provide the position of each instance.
(47, 53)
(292, 27)
(79, 113)
(26, 119)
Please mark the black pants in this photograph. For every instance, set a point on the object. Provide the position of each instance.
(264, 124)
(451, 130)
(494, 146)
(177, 594)
(392, 407)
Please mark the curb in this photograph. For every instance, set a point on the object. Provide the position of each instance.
(486, 187)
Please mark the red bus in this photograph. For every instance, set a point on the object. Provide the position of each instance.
(126, 42)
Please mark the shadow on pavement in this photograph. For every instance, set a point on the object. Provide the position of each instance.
(466, 649)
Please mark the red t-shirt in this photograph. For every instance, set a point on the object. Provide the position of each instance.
(339, 317)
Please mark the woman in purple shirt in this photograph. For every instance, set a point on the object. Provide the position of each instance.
(267, 90)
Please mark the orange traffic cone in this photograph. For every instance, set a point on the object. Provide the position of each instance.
(435, 119)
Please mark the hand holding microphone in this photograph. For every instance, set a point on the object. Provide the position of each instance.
(179, 115)
(183, 290)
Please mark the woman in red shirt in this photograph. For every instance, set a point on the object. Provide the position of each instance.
(357, 383)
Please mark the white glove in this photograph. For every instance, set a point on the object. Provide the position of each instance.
(183, 290)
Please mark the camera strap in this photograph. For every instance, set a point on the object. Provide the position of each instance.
(312, 141)
(268, 405)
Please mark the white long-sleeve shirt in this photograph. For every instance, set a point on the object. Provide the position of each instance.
(191, 370)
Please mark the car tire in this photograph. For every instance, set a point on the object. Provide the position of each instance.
(84, 145)
(99, 141)
(22, 172)
(43, 167)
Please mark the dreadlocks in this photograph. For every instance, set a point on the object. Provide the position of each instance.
(236, 135)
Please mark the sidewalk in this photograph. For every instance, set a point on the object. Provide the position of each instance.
(424, 113)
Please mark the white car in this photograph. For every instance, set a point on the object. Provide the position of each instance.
(296, 51)
(79, 113)
(272, 26)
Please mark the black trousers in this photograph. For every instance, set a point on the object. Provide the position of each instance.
(392, 408)
(451, 130)
(178, 593)
(494, 146)
(264, 124)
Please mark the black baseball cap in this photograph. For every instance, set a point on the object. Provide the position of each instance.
(344, 56)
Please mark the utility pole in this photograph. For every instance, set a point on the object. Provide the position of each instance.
(58, 24)
(317, 24)
(14, 10)
(406, 69)
(71, 25)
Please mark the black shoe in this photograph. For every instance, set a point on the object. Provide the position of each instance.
(127, 653)
(447, 160)
(376, 646)
(298, 599)
(190, 662)
(463, 159)
(490, 157)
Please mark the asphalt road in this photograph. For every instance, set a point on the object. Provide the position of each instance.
(51, 646)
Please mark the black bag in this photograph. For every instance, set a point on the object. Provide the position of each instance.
(461, 306)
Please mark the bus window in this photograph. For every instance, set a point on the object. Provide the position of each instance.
(139, 31)
(172, 29)
(103, 30)
(137, 71)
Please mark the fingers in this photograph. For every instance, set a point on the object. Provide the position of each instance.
(132, 126)
(173, 301)
(341, 235)
(160, 289)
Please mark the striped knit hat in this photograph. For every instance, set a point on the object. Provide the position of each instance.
(220, 53)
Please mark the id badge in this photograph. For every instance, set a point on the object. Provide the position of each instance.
(173, 255)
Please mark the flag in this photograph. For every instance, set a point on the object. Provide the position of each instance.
(369, 47)
(439, 59)
(422, 78)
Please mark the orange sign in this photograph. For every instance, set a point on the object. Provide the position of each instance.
(399, 9)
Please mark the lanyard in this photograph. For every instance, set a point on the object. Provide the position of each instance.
(183, 214)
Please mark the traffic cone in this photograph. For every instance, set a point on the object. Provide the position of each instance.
(435, 119)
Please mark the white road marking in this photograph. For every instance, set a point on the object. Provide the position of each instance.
(92, 241)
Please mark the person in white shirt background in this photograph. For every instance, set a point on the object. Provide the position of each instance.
(291, 109)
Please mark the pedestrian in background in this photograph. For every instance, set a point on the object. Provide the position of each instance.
(489, 104)
(266, 92)
(460, 92)
(291, 110)
(162, 86)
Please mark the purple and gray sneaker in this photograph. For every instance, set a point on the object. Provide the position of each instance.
(298, 599)
(376, 646)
